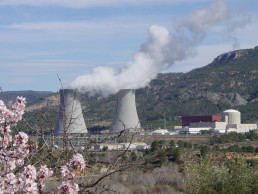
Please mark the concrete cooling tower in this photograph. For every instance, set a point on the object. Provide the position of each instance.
(70, 114)
(125, 113)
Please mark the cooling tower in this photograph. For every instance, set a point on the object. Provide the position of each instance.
(125, 113)
(70, 114)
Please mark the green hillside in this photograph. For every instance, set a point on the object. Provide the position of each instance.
(31, 96)
(229, 81)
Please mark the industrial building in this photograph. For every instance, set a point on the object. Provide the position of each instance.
(186, 120)
(125, 117)
(162, 132)
(122, 146)
(230, 120)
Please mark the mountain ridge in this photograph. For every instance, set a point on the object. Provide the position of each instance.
(229, 81)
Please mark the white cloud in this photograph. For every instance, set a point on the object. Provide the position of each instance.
(91, 3)
(68, 26)
(77, 30)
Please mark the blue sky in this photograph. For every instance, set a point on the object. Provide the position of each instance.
(42, 38)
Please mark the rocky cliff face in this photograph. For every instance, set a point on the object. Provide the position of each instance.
(233, 55)
(234, 99)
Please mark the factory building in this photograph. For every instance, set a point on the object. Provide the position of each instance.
(186, 120)
(162, 132)
(192, 130)
(229, 121)
(233, 120)
(122, 146)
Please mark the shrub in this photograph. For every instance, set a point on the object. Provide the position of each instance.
(235, 177)
(204, 151)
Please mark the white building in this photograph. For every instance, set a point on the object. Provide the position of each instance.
(162, 132)
(193, 130)
(231, 121)
(122, 146)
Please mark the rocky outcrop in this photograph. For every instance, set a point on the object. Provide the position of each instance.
(48, 102)
(232, 55)
(234, 99)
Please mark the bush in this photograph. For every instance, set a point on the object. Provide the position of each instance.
(105, 148)
(176, 155)
(234, 148)
(234, 137)
(154, 146)
(133, 156)
(250, 149)
(161, 143)
(188, 145)
(204, 151)
(170, 151)
(180, 143)
(235, 177)
(162, 156)
(172, 143)
(205, 132)
(196, 146)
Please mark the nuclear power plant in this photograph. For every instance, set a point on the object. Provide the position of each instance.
(125, 118)
(71, 118)
(125, 114)
(228, 121)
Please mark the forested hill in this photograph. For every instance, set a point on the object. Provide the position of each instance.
(229, 81)
(32, 97)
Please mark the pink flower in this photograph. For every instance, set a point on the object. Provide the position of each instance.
(11, 164)
(31, 187)
(5, 129)
(18, 108)
(6, 140)
(10, 179)
(66, 173)
(13, 152)
(44, 172)
(31, 147)
(67, 188)
(29, 173)
(78, 161)
(20, 139)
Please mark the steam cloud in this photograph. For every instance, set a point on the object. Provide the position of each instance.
(162, 49)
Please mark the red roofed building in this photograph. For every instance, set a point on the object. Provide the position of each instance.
(186, 120)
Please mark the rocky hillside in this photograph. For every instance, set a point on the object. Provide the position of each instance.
(32, 97)
(50, 101)
(229, 81)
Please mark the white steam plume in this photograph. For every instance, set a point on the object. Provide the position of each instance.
(161, 49)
